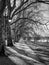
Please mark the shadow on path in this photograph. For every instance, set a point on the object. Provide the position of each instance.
(4, 60)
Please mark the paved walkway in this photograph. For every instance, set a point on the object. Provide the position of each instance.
(22, 54)
(5, 61)
(20, 59)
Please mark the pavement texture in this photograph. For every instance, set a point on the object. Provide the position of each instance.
(21, 56)
(22, 53)
(4, 60)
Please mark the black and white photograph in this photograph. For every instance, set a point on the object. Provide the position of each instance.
(24, 32)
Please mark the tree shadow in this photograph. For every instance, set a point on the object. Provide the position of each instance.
(4, 60)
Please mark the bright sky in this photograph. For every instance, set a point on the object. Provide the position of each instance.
(17, 3)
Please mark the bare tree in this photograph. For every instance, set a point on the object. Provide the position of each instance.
(30, 24)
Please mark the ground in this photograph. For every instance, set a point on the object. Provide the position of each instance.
(21, 54)
(25, 54)
(4, 60)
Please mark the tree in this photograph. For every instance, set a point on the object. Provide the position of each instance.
(27, 22)
(2, 2)
(35, 24)
(3, 23)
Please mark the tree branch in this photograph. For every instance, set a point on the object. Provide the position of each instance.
(45, 2)
(16, 9)
(22, 9)
(27, 19)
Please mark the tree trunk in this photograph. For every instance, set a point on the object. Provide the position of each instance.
(9, 38)
(8, 30)
(2, 43)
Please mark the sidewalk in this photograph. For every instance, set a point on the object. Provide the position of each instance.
(22, 54)
(5, 61)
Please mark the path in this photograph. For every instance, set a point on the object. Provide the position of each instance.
(5, 61)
